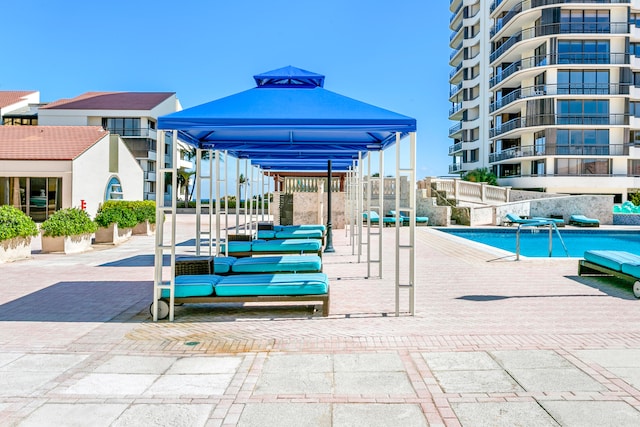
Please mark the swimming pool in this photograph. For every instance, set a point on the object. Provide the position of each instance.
(535, 242)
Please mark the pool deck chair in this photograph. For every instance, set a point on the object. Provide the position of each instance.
(404, 217)
(374, 218)
(243, 288)
(620, 264)
(583, 221)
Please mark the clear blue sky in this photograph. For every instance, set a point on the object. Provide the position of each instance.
(392, 54)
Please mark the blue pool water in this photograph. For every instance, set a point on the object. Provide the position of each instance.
(535, 242)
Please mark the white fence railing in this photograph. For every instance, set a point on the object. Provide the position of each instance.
(457, 189)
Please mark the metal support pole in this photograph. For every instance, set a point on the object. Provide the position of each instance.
(329, 245)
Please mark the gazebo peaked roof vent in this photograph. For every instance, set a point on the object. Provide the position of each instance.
(289, 77)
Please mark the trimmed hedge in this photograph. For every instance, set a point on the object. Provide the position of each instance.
(68, 222)
(15, 223)
(125, 213)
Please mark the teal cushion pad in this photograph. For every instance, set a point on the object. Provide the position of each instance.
(195, 285)
(278, 264)
(222, 264)
(631, 269)
(555, 220)
(583, 219)
(273, 284)
(237, 246)
(266, 234)
(300, 227)
(299, 234)
(611, 259)
(286, 245)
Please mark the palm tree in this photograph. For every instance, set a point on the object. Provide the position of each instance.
(242, 180)
(481, 175)
(183, 178)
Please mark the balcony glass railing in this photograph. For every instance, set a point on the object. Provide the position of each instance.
(560, 89)
(455, 70)
(455, 89)
(456, 167)
(456, 107)
(560, 150)
(455, 147)
(560, 58)
(560, 120)
(455, 128)
(561, 28)
(530, 4)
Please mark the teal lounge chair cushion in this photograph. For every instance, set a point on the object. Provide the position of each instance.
(237, 246)
(300, 227)
(612, 260)
(583, 219)
(557, 221)
(286, 245)
(278, 264)
(632, 269)
(273, 284)
(197, 285)
(298, 234)
(266, 234)
(222, 264)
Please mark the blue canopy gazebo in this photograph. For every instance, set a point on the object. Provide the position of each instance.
(288, 122)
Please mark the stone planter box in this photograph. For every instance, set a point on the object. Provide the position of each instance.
(67, 244)
(144, 229)
(113, 234)
(15, 249)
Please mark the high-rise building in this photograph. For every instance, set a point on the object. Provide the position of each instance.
(543, 93)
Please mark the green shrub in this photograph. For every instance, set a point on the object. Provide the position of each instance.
(635, 198)
(144, 210)
(68, 222)
(116, 212)
(15, 223)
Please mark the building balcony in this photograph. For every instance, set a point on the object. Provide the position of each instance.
(532, 4)
(455, 129)
(455, 148)
(134, 132)
(590, 89)
(455, 168)
(455, 70)
(560, 150)
(560, 120)
(560, 59)
(455, 89)
(149, 176)
(456, 107)
(560, 28)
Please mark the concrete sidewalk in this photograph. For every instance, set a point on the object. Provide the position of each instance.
(493, 342)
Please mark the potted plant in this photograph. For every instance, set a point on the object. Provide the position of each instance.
(115, 220)
(67, 230)
(16, 231)
(145, 212)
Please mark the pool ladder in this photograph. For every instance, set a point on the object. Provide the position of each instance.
(540, 223)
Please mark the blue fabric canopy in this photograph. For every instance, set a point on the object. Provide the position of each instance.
(289, 122)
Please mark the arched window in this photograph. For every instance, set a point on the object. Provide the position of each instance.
(114, 189)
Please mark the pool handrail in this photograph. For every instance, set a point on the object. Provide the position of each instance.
(540, 223)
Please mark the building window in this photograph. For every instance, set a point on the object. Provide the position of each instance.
(583, 52)
(114, 189)
(583, 82)
(584, 21)
(37, 197)
(583, 112)
(538, 168)
(633, 167)
(20, 121)
(580, 167)
(474, 155)
(582, 141)
(123, 126)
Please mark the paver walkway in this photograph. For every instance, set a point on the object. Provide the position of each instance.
(493, 342)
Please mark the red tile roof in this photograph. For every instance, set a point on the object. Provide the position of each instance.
(10, 97)
(111, 101)
(47, 142)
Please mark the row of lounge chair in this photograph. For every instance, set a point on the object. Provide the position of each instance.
(243, 278)
(577, 220)
(390, 219)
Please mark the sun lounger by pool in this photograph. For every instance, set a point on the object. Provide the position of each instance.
(620, 264)
(211, 289)
(583, 221)
(272, 247)
(225, 265)
(517, 219)
(374, 219)
(404, 217)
